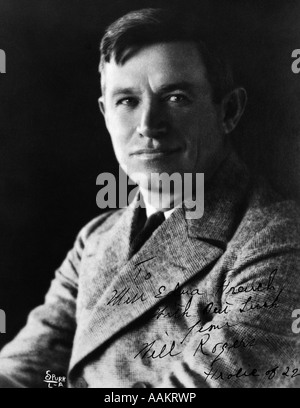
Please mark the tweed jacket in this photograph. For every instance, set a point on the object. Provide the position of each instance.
(204, 303)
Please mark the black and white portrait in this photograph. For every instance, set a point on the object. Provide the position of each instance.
(149, 184)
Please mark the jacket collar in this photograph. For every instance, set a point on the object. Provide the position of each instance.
(223, 202)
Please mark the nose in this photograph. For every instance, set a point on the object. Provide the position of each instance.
(152, 121)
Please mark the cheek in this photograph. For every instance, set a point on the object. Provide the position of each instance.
(190, 128)
(120, 127)
(121, 132)
(205, 127)
(199, 129)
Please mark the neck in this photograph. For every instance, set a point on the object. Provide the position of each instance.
(160, 201)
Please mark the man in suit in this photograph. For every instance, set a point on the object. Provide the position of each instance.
(196, 302)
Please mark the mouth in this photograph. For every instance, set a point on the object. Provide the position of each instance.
(148, 154)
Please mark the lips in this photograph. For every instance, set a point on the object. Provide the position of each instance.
(151, 153)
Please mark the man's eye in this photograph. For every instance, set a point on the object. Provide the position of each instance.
(127, 102)
(177, 98)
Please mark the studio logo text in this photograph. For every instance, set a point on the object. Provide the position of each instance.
(54, 381)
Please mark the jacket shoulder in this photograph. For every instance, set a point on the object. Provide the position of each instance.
(100, 224)
(270, 223)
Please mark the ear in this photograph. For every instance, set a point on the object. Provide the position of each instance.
(101, 105)
(233, 106)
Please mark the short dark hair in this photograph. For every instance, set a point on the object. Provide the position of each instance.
(155, 25)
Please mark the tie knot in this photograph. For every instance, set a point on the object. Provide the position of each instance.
(151, 224)
(154, 221)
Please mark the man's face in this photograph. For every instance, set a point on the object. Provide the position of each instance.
(159, 112)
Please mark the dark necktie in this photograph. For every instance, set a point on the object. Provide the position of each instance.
(147, 230)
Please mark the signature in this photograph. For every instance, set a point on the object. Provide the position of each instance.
(221, 346)
(149, 351)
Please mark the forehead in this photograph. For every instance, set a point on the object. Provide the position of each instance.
(156, 65)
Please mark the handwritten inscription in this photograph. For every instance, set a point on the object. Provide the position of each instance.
(149, 350)
(249, 304)
(124, 297)
(205, 328)
(221, 347)
(220, 375)
(204, 320)
(270, 374)
(210, 308)
(227, 288)
(130, 295)
(180, 311)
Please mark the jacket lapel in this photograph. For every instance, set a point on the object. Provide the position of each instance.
(177, 251)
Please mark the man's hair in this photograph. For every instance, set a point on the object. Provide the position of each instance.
(123, 38)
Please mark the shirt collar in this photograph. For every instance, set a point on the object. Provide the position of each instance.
(151, 210)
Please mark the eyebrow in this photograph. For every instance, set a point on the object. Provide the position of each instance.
(123, 91)
(183, 85)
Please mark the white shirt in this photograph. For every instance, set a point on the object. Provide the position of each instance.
(151, 210)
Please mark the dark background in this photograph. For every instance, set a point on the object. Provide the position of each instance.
(53, 142)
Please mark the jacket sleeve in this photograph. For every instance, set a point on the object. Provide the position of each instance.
(45, 343)
(248, 338)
